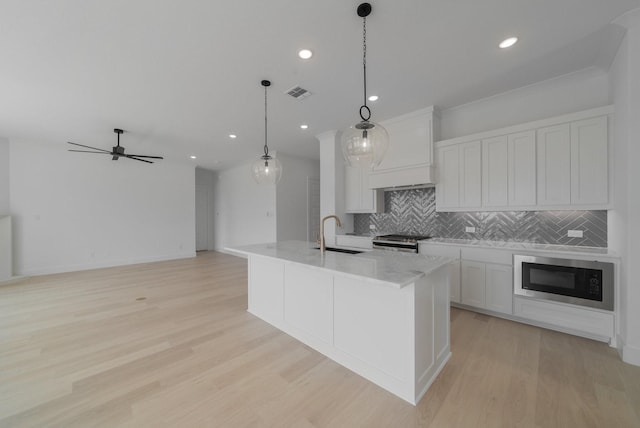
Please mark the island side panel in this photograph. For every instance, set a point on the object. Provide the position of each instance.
(308, 301)
(432, 328)
(266, 289)
(374, 324)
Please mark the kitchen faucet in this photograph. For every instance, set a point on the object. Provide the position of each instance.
(322, 242)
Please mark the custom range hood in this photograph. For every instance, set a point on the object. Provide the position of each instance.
(409, 161)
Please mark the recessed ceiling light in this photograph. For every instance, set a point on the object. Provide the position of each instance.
(192, 157)
(373, 98)
(305, 53)
(506, 43)
(304, 126)
(233, 136)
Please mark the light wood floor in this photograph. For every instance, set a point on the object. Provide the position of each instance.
(171, 344)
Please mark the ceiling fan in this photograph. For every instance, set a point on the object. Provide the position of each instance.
(117, 152)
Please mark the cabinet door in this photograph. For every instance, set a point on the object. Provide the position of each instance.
(589, 166)
(522, 168)
(554, 165)
(495, 172)
(470, 174)
(448, 185)
(454, 281)
(352, 187)
(359, 198)
(472, 286)
(499, 287)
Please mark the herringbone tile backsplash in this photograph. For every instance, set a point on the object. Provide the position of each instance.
(414, 211)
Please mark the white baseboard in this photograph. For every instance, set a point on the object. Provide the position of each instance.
(631, 355)
(106, 264)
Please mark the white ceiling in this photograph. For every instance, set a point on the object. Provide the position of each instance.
(180, 75)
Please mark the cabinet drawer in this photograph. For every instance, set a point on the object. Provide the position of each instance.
(354, 241)
(487, 255)
(587, 321)
(440, 250)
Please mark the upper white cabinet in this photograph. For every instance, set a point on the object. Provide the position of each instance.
(557, 163)
(509, 170)
(589, 167)
(409, 157)
(554, 165)
(459, 176)
(359, 198)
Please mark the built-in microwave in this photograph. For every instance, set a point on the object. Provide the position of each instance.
(579, 282)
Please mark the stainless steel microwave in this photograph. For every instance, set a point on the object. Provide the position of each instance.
(579, 282)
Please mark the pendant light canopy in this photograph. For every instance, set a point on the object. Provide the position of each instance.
(365, 143)
(267, 169)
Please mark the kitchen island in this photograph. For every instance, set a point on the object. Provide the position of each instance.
(382, 314)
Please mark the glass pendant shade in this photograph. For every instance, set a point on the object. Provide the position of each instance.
(364, 144)
(267, 170)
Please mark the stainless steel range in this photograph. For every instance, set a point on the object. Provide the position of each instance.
(398, 242)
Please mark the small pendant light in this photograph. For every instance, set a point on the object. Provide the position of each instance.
(365, 143)
(267, 169)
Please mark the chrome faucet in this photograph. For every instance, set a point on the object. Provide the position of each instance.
(322, 242)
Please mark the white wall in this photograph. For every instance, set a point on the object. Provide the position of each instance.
(291, 197)
(573, 92)
(4, 176)
(75, 211)
(624, 230)
(245, 212)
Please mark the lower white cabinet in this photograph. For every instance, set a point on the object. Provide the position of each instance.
(487, 285)
(454, 266)
(472, 285)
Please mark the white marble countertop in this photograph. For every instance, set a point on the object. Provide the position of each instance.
(523, 246)
(387, 267)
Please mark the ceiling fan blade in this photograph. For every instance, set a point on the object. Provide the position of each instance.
(89, 147)
(145, 156)
(135, 158)
(88, 151)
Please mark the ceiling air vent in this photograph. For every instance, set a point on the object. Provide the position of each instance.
(298, 93)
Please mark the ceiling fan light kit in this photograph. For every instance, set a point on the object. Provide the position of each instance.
(117, 151)
(365, 143)
(267, 169)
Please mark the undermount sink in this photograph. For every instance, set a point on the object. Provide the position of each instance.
(341, 250)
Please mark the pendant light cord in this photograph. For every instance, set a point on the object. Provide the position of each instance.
(266, 148)
(364, 72)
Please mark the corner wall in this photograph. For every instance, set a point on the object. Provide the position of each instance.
(623, 219)
(4, 177)
(75, 211)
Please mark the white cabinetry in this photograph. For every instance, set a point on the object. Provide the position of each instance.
(266, 289)
(454, 266)
(557, 163)
(359, 198)
(509, 170)
(554, 165)
(589, 169)
(460, 176)
(354, 241)
(410, 154)
(472, 287)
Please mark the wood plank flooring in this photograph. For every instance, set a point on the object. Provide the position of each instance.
(170, 344)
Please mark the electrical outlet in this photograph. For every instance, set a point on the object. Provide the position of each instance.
(470, 229)
(575, 234)
(372, 227)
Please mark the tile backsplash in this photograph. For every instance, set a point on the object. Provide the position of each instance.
(414, 211)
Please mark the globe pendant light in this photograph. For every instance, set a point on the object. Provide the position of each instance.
(365, 143)
(267, 169)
